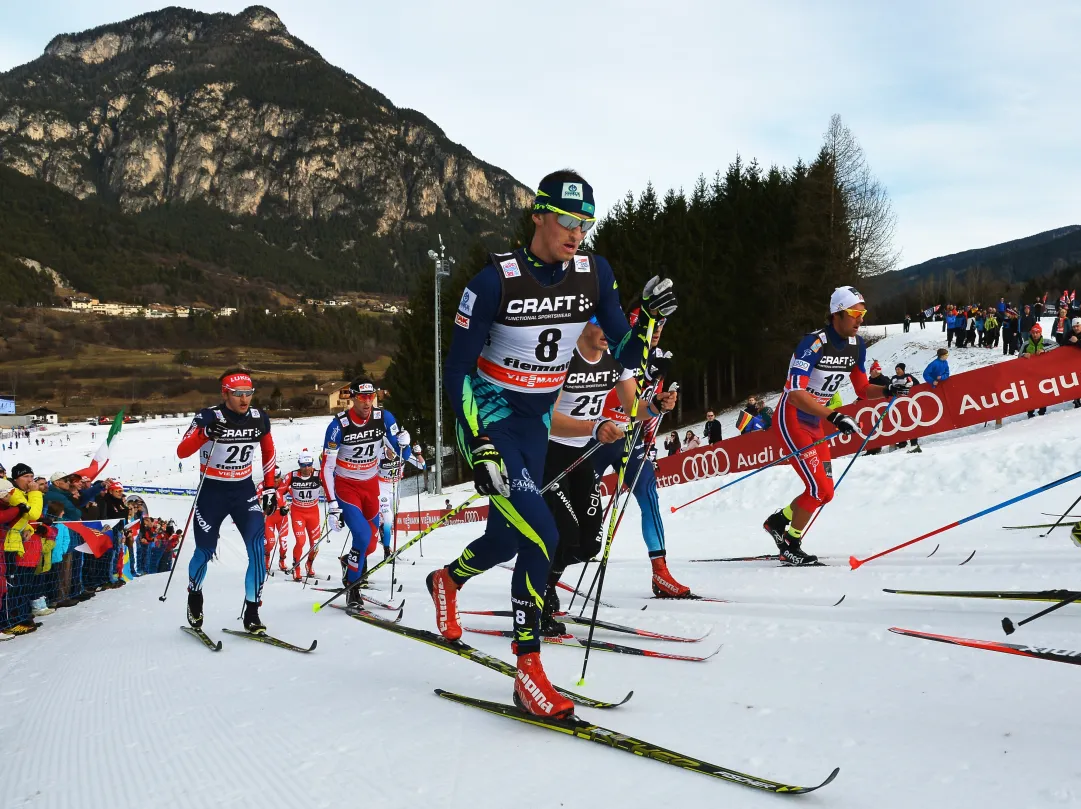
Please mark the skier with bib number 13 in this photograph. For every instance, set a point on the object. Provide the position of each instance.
(821, 362)
(515, 330)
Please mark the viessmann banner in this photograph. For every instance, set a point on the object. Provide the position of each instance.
(963, 400)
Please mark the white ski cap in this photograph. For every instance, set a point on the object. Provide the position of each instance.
(305, 458)
(844, 298)
(1076, 321)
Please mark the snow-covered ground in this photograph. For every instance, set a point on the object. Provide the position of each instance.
(109, 705)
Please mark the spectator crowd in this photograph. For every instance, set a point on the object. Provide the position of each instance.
(43, 524)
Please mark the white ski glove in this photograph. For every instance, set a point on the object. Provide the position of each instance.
(334, 519)
(658, 296)
(403, 438)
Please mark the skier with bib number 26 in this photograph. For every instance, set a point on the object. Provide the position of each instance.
(515, 330)
(821, 362)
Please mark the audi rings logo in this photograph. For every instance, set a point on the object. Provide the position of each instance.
(924, 409)
(706, 464)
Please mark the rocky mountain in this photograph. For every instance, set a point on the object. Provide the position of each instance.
(231, 113)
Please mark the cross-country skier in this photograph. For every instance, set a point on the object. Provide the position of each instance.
(225, 436)
(514, 333)
(390, 473)
(821, 362)
(592, 408)
(356, 441)
(303, 487)
(276, 532)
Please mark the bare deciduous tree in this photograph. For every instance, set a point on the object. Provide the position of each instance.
(872, 220)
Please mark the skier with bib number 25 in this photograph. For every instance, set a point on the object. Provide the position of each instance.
(515, 330)
(822, 361)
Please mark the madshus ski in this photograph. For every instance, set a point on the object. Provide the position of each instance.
(763, 557)
(609, 738)
(1038, 652)
(568, 618)
(477, 656)
(599, 645)
(1000, 595)
(270, 640)
(200, 635)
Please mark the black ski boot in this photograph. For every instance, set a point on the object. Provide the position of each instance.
(776, 526)
(252, 623)
(793, 554)
(549, 626)
(195, 608)
(354, 600)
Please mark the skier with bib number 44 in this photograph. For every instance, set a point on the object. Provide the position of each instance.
(225, 436)
(515, 331)
(822, 361)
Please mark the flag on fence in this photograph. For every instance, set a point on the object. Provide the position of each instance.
(101, 457)
(96, 538)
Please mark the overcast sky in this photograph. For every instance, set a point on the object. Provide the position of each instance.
(967, 111)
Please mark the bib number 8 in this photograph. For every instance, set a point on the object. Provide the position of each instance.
(548, 345)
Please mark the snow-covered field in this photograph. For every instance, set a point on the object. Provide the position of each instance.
(109, 705)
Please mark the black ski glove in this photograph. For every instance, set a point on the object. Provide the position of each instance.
(846, 424)
(489, 473)
(215, 431)
(269, 501)
(658, 297)
(660, 363)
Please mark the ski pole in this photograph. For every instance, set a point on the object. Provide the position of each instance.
(646, 447)
(183, 536)
(859, 452)
(789, 456)
(575, 594)
(628, 447)
(589, 593)
(1065, 514)
(394, 533)
(1009, 628)
(393, 556)
(854, 562)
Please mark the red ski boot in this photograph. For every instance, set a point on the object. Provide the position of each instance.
(534, 694)
(444, 594)
(664, 585)
(296, 571)
(281, 564)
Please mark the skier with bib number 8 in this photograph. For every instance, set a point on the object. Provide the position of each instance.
(515, 331)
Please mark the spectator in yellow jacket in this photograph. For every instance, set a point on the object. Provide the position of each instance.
(27, 498)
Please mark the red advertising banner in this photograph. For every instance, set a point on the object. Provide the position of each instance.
(964, 400)
(417, 521)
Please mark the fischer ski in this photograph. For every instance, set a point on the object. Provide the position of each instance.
(1039, 652)
(568, 618)
(604, 646)
(477, 656)
(609, 738)
(764, 557)
(214, 646)
(270, 640)
(1001, 595)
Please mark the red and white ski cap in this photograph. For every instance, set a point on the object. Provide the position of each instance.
(844, 298)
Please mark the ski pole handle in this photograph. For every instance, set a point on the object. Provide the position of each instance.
(183, 536)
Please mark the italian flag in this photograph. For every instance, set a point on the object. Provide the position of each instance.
(101, 457)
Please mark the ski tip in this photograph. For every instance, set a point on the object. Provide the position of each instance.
(853, 562)
(838, 601)
(969, 559)
(932, 553)
(314, 644)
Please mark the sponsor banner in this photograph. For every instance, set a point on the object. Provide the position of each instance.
(419, 520)
(176, 492)
(964, 400)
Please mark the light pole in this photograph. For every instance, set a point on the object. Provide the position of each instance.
(442, 270)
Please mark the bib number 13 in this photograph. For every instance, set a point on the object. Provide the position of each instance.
(548, 345)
